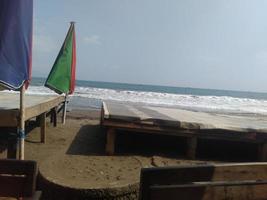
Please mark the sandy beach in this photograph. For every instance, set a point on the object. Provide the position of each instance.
(73, 164)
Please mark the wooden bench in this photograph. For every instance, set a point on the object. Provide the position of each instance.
(18, 179)
(208, 182)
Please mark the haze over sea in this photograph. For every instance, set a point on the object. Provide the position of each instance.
(90, 94)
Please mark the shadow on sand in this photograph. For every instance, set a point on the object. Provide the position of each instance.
(91, 139)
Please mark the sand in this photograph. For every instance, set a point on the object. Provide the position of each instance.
(73, 158)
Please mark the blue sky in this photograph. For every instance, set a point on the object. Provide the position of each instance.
(220, 44)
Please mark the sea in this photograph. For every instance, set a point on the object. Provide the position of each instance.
(90, 94)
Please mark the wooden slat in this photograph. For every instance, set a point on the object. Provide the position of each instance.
(242, 172)
(185, 174)
(215, 134)
(10, 166)
(238, 192)
(12, 186)
(17, 178)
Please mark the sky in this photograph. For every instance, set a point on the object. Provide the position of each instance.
(217, 44)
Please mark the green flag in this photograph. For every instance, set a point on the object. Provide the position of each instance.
(61, 78)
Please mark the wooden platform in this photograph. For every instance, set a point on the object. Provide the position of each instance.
(190, 124)
(35, 106)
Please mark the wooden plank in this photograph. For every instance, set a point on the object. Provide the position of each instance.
(17, 177)
(219, 172)
(42, 107)
(12, 186)
(184, 119)
(9, 114)
(237, 192)
(110, 143)
(12, 166)
(191, 175)
(215, 134)
(43, 127)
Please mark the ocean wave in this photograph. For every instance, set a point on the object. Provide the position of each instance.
(218, 104)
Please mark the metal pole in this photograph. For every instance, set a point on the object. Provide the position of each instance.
(21, 130)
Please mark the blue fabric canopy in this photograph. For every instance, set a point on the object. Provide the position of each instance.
(15, 42)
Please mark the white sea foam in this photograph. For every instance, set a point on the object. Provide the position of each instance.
(220, 104)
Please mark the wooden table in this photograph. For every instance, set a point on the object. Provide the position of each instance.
(35, 106)
(178, 122)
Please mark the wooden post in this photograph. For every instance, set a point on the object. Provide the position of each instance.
(64, 110)
(12, 148)
(262, 152)
(21, 129)
(54, 114)
(191, 147)
(110, 144)
(43, 127)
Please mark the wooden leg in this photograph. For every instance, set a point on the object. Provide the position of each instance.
(110, 144)
(262, 153)
(51, 116)
(43, 127)
(38, 121)
(12, 148)
(54, 114)
(191, 147)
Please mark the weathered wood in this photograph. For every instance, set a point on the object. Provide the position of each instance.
(208, 182)
(110, 143)
(214, 134)
(17, 178)
(43, 106)
(209, 192)
(182, 123)
(34, 106)
(43, 127)
(191, 147)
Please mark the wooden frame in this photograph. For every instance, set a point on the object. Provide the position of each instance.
(113, 124)
(35, 106)
(18, 179)
(207, 182)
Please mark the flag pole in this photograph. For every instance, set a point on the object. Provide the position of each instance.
(66, 96)
(21, 131)
(64, 109)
